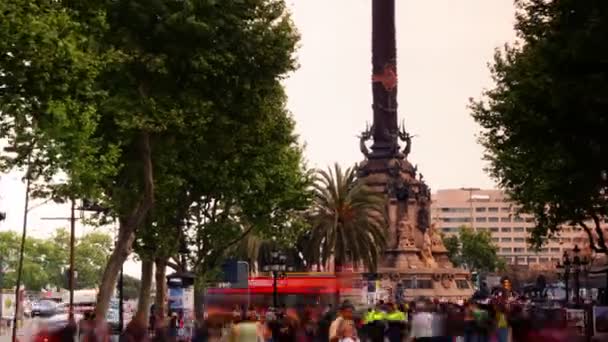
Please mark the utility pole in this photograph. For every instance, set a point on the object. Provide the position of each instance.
(28, 183)
(72, 247)
(471, 212)
(71, 269)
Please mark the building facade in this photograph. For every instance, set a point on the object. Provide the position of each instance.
(492, 211)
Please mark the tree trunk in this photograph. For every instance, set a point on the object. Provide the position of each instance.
(143, 304)
(199, 299)
(126, 231)
(337, 273)
(161, 287)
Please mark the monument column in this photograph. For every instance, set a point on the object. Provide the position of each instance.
(384, 80)
(414, 258)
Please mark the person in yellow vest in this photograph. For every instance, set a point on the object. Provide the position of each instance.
(375, 323)
(502, 325)
(395, 320)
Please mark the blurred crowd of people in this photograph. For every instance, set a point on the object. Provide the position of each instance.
(421, 320)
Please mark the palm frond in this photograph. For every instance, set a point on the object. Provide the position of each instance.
(348, 220)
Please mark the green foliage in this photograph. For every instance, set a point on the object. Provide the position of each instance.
(452, 244)
(87, 86)
(90, 256)
(348, 220)
(474, 250)
(45, 259)
(544, 121)
(130, 287)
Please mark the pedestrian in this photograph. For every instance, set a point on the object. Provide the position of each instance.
(502, 325)
(336, 329)
(422, 322)
(395, 321)
(246, 330)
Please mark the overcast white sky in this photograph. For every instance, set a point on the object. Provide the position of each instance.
(443, 47)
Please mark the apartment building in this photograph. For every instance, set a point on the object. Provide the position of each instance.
(491, 210)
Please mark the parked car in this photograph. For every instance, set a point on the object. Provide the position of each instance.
(44, 308)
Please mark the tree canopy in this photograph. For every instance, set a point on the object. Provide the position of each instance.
(126, 96)
(473, 250)
(544, 120)
(45, 260)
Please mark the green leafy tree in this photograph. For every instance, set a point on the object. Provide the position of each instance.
(544, 120)
(90, 256)
(452, 244)
(46, 259)
(130, 287)
(348, 221)
(474, 250)
(110, 92)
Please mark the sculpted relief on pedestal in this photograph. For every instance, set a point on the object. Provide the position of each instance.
(436, 241)
(406, 235)
(427, 252)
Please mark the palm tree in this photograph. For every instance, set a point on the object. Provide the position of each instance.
(348, 220)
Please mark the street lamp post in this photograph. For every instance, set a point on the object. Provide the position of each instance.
(565, 265)
(577, 265)
(277, 267)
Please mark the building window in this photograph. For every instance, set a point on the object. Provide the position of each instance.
(494, 229)
(505, 209)
(521, 260)
(493, 209)
(543, 259)
(507, 239)
(455, 210)
(530, 229)
(456, 219)
(519, 250)
(480, 219)
(505, 229)
(566, 240)
(493, 219)
(532, 259)
(544, 250)
(518, 229)
(480, 209)
(529, 219)
(519, 240)
(506, 250)
(424, 284)
(481, 228)
(505, 219)
(508, 260)
(554, 250)
(495, 239)
(462, 284)
(518, 219)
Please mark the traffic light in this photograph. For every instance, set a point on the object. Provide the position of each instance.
(2, 216)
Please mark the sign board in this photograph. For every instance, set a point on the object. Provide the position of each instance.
(600, 321)
(176, 300)
(8, 305)
(576, 319)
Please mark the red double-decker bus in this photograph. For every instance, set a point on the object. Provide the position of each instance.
(294, 290)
